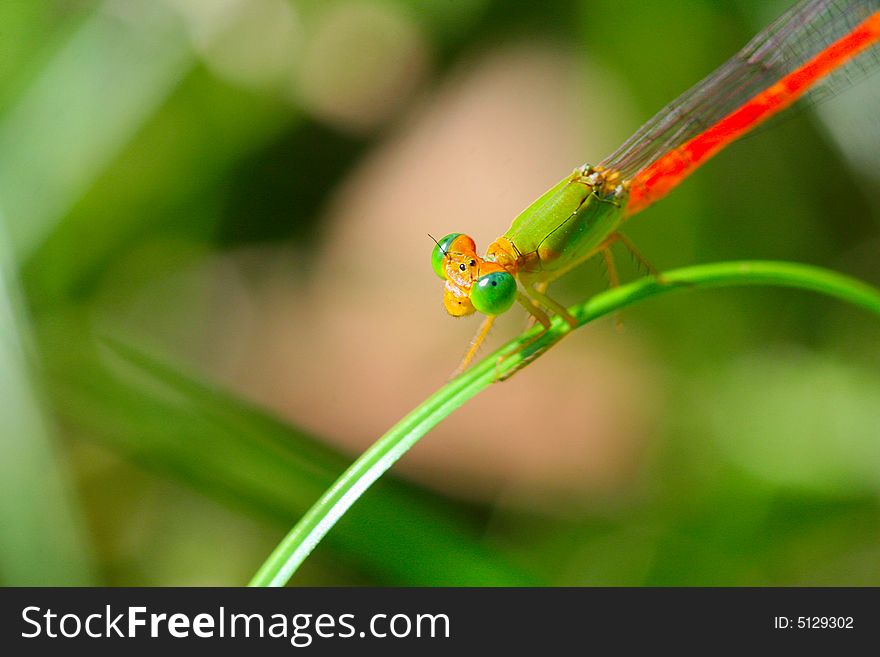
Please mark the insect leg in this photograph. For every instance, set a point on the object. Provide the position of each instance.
(636, 254)
(476, 341)
(541, 287)
(613, 279)
(553, 305)
(536, 312)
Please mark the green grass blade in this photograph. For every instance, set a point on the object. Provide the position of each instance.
(336, 501)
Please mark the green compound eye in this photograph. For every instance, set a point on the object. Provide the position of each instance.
(439, 254)
(494, 293)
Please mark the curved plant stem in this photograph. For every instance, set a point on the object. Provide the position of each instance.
(312, 527)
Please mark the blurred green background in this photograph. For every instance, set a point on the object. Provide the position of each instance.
(216, 291)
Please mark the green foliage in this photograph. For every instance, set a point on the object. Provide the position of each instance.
(215, 183)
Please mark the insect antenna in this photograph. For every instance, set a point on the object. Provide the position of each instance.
(445, 252)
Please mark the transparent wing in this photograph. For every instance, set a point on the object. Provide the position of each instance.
(793, 39)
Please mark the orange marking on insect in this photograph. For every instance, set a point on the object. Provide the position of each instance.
(658, 179)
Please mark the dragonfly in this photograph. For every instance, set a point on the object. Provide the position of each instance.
(816, 47)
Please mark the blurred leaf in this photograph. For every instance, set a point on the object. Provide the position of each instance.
(811, 424)
(231, 450)
(171, 179)
(741, 531)
(42, 541)
(85, 104)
